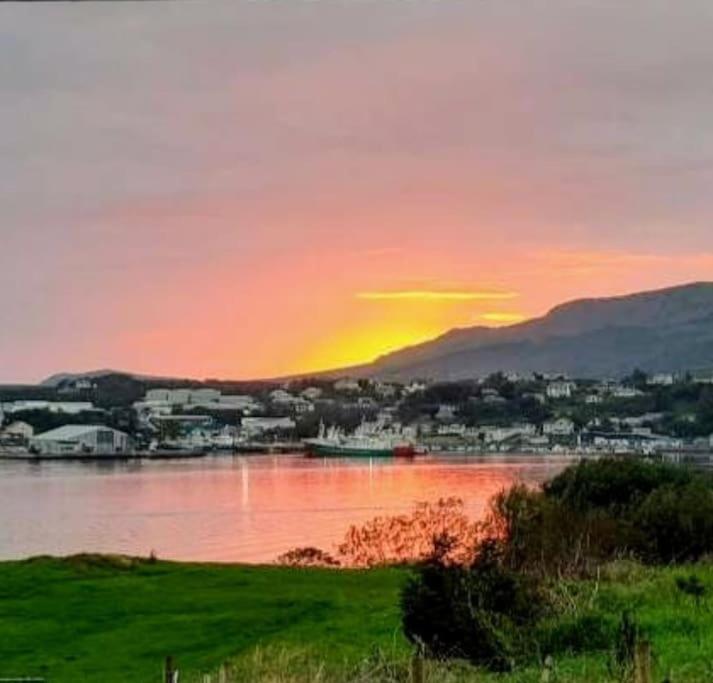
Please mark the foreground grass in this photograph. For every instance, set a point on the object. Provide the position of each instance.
(680, 630)
(114, 620)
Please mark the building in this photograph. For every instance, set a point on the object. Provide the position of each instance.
(625, 392)
(257, 426)
(662, 379)
(446, 412)
(557, 390)
(312, 393)
(19, 430)
(563, 426)
(65, 407)
(347, 386)
(81, 440)
(182, 397)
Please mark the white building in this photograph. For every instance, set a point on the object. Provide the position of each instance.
(81, 440)
(661, 379)
(562, 426)
(625, 392)
(500, 434)
(255, 426)
(20, 430)
(415, 388)
(65, 407)
(557, 390)
(446, 412)
(182, 397)
(347, 386)
(312, 393)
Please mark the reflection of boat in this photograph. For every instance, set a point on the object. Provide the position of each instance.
(362, 444)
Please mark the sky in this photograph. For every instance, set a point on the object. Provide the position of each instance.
(251, 189)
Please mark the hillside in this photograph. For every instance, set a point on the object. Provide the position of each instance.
(665, 330)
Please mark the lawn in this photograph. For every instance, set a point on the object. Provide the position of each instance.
(114, 620)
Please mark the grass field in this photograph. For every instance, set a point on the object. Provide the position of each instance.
(114, 620)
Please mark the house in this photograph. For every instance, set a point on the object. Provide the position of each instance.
(621, 391)
(415, 388)
(257, 426)
(560, 389)
(312, 393)
(593, 399)
(284, 399)
(347, 386)
(500, 434)
(243, 403)
(386, 391)
(19, 430)
(445, 412)
(662, 379)
(562, 426)
(81, 440)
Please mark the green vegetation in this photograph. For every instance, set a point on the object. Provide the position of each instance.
(114, 620)
(92, 618)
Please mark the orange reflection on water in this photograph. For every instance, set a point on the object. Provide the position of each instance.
(247, 509)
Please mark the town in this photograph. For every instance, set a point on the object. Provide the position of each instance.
(119, 415)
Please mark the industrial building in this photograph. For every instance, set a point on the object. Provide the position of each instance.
(81, 440)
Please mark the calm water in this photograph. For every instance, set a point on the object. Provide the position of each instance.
(247, 509)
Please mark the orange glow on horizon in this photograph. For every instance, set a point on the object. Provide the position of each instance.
(503, 318)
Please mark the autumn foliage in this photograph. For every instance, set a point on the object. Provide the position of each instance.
(432, 531)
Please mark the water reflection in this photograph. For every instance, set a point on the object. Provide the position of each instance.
(247, 509)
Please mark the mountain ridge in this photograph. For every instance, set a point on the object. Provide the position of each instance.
(661, 330)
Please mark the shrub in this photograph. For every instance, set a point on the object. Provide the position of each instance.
(583, 633)
(480, 613)
(613, 484)
(676, 523)
(307, 557)
(433, 530)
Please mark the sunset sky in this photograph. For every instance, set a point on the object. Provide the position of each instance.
(249, 189)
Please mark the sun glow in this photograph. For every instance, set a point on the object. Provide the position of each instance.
(502, 318)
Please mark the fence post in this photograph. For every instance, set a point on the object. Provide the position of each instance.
(417, 669)
(170, 675)
(642, 662)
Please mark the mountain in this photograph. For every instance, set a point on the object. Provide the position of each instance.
(667, 330)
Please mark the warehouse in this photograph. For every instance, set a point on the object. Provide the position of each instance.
(81, 440)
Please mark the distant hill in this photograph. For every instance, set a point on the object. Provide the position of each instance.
(666, 330)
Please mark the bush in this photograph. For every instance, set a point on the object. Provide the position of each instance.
(613, 484)
(677, 523)
(481, 613)
(584, 633)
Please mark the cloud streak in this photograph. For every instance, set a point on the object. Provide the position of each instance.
(435, 295)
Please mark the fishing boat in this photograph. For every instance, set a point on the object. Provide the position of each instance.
(366, 442)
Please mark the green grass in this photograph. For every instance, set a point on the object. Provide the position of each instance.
(114, 620)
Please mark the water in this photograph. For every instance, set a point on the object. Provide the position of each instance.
(247, 509)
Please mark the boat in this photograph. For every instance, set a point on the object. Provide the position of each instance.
(366, 442)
